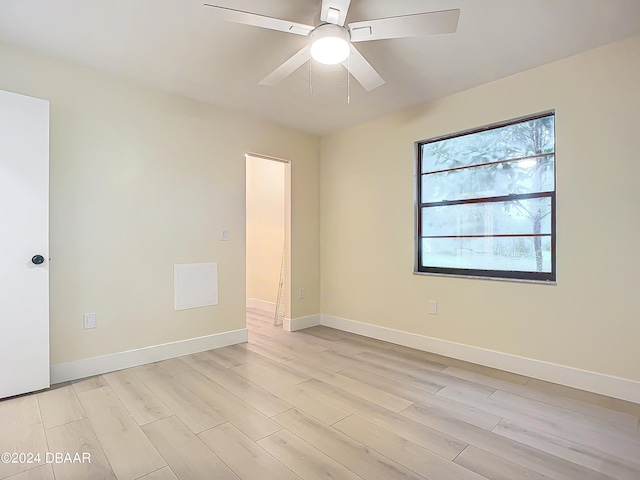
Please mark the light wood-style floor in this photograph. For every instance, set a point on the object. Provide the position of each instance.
(319, 404)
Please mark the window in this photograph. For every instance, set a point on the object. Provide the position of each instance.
(486, 201)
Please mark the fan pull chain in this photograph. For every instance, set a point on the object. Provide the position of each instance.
(310, 72)
(349, 79)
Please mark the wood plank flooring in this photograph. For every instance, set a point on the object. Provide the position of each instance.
(318, 404)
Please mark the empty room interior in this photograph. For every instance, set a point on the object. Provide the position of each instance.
(227, 253)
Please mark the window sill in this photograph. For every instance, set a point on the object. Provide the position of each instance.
(495, 279)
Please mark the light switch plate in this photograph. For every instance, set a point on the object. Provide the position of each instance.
(90, 320)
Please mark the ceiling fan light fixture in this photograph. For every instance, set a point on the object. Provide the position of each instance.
(330, 44)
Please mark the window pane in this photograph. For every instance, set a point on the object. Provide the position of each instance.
(518, 177)
(487, 226)
(522, 139)
(526, 216)
(490, 253)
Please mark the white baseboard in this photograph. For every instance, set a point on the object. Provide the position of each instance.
(611, 386)
(88, 367)
(294, 324)
(267, 307)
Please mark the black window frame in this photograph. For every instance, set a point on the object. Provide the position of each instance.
(546, 277)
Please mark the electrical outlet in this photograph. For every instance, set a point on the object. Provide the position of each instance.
(301, 293)
(433, 307)
(224, 235)
(90, 320)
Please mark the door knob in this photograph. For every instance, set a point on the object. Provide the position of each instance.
(37, 259)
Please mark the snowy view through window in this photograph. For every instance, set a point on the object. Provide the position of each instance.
(487, 202)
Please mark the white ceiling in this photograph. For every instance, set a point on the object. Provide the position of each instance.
(178, 46)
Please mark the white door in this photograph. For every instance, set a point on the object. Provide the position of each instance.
(24, 244)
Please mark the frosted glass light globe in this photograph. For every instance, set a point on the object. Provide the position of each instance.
(329, 44)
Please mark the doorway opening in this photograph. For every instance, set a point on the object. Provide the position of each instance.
(268, 227)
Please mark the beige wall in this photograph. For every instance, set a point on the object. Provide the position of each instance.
(140, 180)
(590, 319)
(265, 227)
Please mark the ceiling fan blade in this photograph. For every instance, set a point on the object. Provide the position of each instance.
(362, 70)
(246, 18)
(430, 23)
(334, 11)
(287, 68)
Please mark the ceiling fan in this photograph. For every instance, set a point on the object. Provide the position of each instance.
(332, 43)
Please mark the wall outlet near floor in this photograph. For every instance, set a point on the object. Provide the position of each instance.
(90, 320)
(301, 293)
(433, 307)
